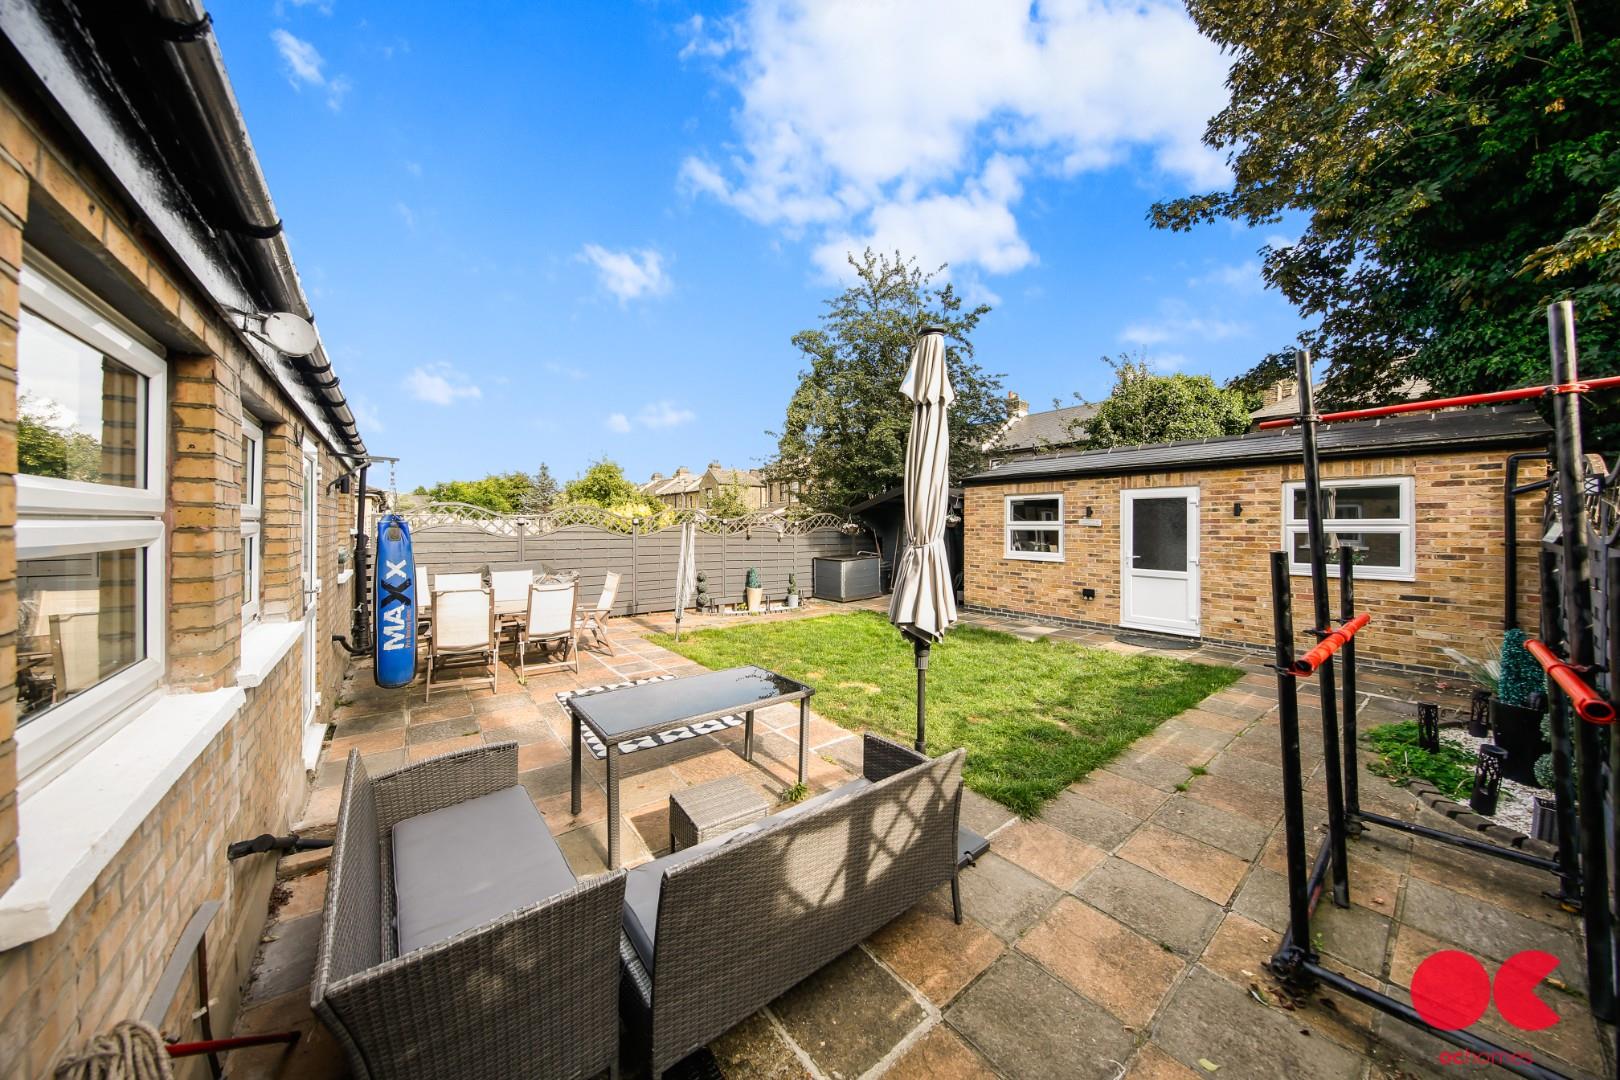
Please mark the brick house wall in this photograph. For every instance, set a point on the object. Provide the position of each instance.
(1455, 599)
(102, 961)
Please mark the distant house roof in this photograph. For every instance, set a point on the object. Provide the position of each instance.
(1464, 428)
(745, 477)
(1053, 428)
(1283, 400)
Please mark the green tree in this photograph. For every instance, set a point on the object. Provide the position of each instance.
(46, 446)
(544, 491)
(603, 484)
(504, 493)
(1459, 163)
(727, 501)
(844, 435)
(1148, 408)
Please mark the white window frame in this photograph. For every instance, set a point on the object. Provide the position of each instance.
(103, 517)
(47, 297)
(1405, 527)
(1010, 526)
(252, 519)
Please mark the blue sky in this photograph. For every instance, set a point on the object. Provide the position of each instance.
(562, 232)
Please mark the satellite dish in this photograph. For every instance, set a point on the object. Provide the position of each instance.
(290, 335)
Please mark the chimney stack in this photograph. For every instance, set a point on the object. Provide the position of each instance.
(1016, 406)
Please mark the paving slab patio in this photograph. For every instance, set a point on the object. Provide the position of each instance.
(1122, 934)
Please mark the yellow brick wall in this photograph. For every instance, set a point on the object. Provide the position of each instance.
(1456, 598)
(102, 963)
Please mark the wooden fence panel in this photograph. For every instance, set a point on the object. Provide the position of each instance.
(646, 562)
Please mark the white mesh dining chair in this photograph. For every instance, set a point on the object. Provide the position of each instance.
(456, 582)
(550, 621)
(593, 622)
(463, 632)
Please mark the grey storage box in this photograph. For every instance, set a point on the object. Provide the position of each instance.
(845, 577)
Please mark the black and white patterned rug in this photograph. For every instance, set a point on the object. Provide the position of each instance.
(646, 742)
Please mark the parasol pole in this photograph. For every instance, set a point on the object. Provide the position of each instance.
(920, 649)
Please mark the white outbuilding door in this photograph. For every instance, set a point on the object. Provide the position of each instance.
(1158, 530)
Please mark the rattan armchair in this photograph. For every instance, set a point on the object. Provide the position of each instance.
(530, 993)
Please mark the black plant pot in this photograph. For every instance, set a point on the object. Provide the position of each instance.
(1517, 730)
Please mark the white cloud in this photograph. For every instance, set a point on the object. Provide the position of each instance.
(440, 384)
(917, 118)
(1175, 323)
(652, 416)
(306, 67)
(322, 6)
(628, 275)
(414, 168)
(1239, 277)
(366, 415)
(664, 414)
(708, 40)
(566, 371)
(406, 214)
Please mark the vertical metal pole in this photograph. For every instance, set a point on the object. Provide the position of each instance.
(1577, 597)
(1332, 766)
(360, 621)
(919, 649)
(635, 568)
(1563, 748)
(1297, 942)
(522, 524)
(1347, 611)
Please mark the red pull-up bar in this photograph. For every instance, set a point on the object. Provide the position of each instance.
(1522, 394)
(1588, 705)
(1329, 645)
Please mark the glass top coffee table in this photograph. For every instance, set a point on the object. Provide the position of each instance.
(632, 712)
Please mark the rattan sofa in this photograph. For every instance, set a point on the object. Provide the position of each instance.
(525, 992)
(716, 931)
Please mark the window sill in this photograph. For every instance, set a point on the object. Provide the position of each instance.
(345, 576)
(263, 646)
(70, 829)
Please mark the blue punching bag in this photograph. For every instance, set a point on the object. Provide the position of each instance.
(393, 638)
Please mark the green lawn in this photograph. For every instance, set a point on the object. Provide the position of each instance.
(1035, 716)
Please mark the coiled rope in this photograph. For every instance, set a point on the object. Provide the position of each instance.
(133, 1050)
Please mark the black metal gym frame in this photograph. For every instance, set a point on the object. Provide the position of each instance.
(1296, 961)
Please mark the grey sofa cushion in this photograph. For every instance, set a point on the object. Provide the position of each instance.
(471, 863)
(643, 883)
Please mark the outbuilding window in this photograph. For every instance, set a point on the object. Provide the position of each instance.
(1373, 518)
(90, 495)
(1034, 527)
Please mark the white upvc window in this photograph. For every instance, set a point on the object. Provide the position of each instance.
(1374, 518)
(252, 517)
(91, 596)
(1034, 527)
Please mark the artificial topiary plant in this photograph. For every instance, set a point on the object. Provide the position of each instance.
(793, 584)
(1521, 675)
(1543, 766)
(752, 581)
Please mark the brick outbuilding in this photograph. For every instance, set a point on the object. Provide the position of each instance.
(1174, 538)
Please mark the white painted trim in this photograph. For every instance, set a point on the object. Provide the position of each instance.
(52, 296)
(1009, 526)
(345, 576)
(1405, 527)
(49, 744)
(263, 647)
(1193, 576)
(69, 830)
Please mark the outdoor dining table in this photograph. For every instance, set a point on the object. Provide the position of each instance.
(629, 713)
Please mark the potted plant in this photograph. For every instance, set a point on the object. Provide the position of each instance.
(702, 601)
(793, 591)
(1516, 709)
(752, 590)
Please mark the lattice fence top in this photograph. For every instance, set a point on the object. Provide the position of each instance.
(568, 515)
